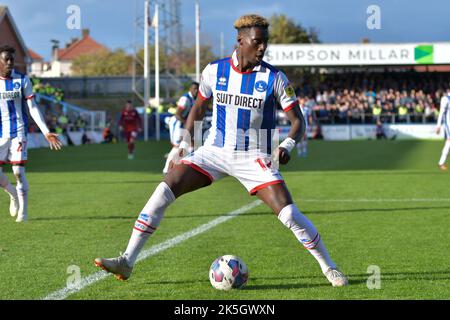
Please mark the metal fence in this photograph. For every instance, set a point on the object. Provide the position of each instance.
(95, 120)
(81, 87)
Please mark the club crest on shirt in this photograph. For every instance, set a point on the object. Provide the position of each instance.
(222, 81)
(290, 92)
(17, 85)
(261, 86)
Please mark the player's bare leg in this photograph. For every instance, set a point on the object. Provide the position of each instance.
(181, 179)
(22, 192)
(130, 145)
(278, 198)
(11, 191)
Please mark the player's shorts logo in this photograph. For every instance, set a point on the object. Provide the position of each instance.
(17, 85)
(261, 86)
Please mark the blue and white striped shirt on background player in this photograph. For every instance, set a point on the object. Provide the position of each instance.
(444, 114)
(185, 103)
(244, 103)
(14, 92)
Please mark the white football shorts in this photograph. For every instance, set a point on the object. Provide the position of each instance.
(254, 170)
(13, 150)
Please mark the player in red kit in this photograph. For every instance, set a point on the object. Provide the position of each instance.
(130, 125)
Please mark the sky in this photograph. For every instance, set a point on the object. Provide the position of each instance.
(111, 22)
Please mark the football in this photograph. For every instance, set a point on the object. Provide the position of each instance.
(228, 272)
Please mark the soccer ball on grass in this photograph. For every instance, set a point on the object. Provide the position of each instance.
(228, 272)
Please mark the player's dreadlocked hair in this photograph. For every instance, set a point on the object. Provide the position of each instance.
(7, 48)
(250, 21)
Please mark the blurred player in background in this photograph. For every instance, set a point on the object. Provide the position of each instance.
(302, 146)
(244, 90)
(130, 125)
(379, 131)
(444, 121)
(16, 95)
(177, 121)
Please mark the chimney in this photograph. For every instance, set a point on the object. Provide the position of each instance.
(85, 32)
(55, 48)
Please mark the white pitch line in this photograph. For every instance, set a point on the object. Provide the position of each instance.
(377, 200)
(63, 293)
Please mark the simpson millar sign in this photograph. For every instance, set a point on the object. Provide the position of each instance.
(358, 54)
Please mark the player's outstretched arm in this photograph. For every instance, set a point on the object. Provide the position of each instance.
(296, 133)
(52, 138)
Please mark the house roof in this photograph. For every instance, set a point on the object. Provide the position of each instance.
(4, 13)
(34, 56)
(79, 47)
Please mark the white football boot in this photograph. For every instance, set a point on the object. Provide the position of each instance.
(22, 214)
(22, 217)
(14, 206)
(117, 266)
(336, 277)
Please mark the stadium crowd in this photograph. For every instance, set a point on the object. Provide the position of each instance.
(401, 97)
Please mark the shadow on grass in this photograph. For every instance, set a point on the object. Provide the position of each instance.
(76, 218)
(249, 286)
(261, 213)
(373, 210)
(284, 286)
(402, 276)
(354, 279)
(117, 182)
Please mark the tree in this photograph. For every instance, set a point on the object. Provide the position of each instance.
(102, 63)
(183, 63)
(284, 30)
(162, 59)
(187, 60)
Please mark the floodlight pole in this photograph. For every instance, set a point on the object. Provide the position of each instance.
(197, 41)
(156, 25)
(146, 70)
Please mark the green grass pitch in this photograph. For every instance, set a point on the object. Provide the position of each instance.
(375, 203)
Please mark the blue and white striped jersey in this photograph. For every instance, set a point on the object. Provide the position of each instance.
(186, 102)
(14, 92)
(244, 104)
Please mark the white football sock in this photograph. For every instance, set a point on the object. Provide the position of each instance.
(445, 151)
(307, 234)
(22, 190)
(148, 221)
(172, 154)
(6, 185)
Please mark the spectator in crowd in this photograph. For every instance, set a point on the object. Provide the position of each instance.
(370, 97)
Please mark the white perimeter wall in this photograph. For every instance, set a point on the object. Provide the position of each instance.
(365, 132)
